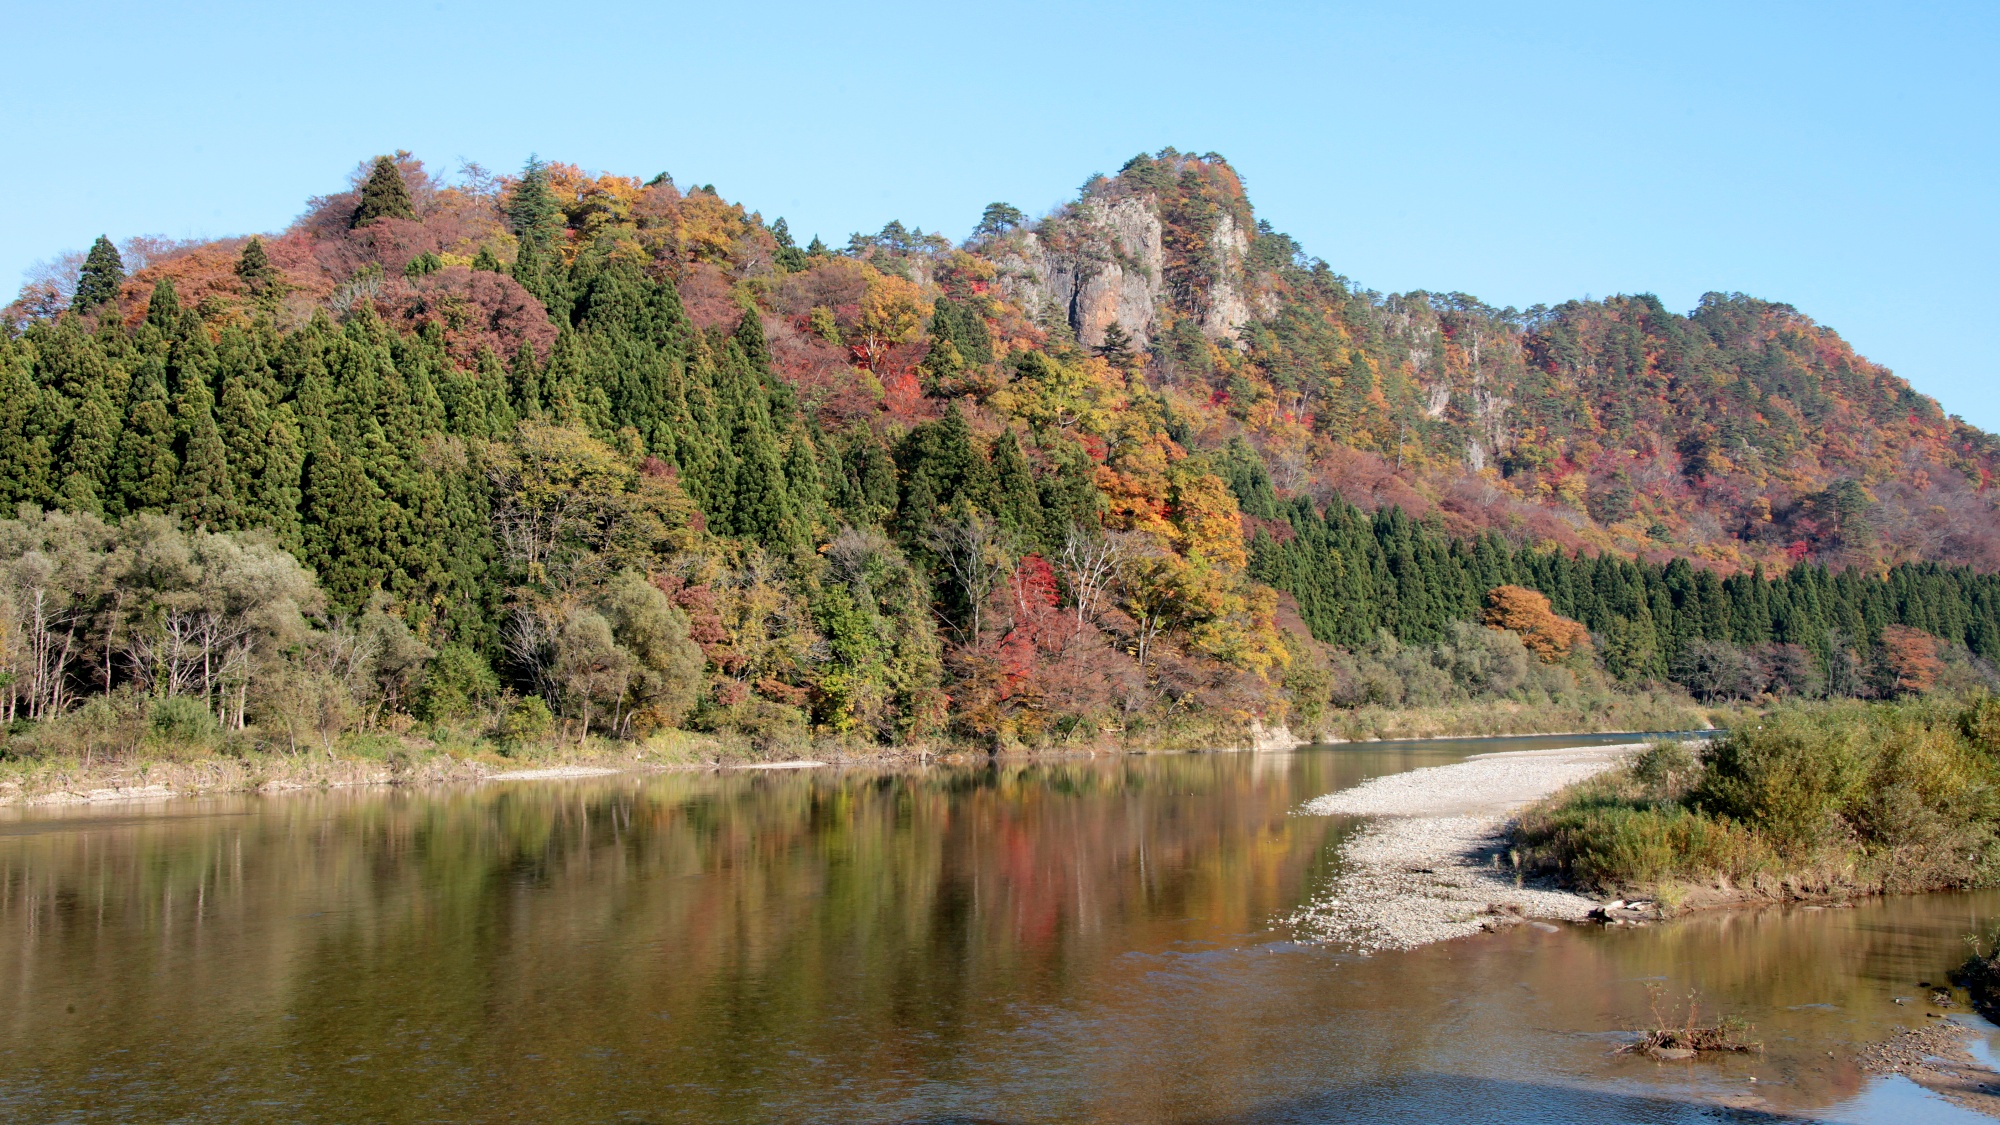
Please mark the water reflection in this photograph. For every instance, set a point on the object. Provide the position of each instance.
(1072, 941)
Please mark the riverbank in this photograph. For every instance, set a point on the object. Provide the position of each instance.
(386, 761)
(1812, 802)
(1438, 865)
(1639, 710)
(159, 766)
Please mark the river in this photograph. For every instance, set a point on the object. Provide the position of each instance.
(1087, 940)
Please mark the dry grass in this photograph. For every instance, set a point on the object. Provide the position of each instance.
(1673, 1033)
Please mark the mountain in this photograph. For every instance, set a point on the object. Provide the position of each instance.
(1117, 464)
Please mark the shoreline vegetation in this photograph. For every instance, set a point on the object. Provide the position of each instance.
(1809, 802)
(157, 764)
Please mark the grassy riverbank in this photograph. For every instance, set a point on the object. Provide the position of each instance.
(1809, 801)
(143, 753)
(1634, 711)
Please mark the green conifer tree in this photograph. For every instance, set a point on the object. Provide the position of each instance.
(25, 457)
(525, 378)
(261, 280)
(802, 482)
(539, 225)
(245, 424)
(1017, 506)
(89, 450)
(763, 509)
(102, 276)
(277, 495)
(204, 494)
(383, 195)
(163, 308)
(749, 336)
(146, 463)
(344, 521)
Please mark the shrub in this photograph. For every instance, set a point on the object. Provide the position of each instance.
(1791, 777)
(527, 720)
(184, 719)
(1888, 797)
(458, 683)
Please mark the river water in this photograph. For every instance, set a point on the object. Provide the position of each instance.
(1084, 940)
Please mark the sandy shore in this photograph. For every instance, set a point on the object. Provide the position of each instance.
(1435, 866)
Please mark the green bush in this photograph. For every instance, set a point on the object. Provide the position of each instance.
(527, 720)
(458, 683)
(184, 719)
(1891, 797)
(1795, 777)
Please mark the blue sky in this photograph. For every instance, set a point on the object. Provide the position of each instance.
(1839, 157)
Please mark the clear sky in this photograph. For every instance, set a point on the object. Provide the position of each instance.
(1840, 157)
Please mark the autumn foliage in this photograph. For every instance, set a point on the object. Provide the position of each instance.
(1518, 609)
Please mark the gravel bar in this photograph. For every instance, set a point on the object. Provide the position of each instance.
(1435, 867)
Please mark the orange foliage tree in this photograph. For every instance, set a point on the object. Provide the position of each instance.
(1910, 663)
(1518, 609)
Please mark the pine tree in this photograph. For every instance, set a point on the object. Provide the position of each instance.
(487, 261)
(261, 280)
(763, 509)
(525, 379)
(749, 336)
(539, 225)
(789, 258)
(277, 496)
(244, 424)
(146, 465)
(204, 495)
(802, 482)
(24, 453)
(1070, 496)
(384, 195)
(344, 520)
(163, 308)
(1017, 507)
(1116, 349)
(88, 452)
(101, 278)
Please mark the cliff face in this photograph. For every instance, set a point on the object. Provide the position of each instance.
(1089, 266)
(1741, 432)
(1170, 239)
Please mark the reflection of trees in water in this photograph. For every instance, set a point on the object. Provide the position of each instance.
(704, 941)
(717, 920)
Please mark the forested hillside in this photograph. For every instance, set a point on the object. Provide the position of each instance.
(623, 455)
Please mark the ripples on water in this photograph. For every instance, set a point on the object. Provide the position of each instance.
(1070, 941)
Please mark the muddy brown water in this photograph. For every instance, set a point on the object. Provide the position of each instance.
(1070, 941)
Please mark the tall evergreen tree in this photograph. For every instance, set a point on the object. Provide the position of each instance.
(163, 308)
(538, 223)
(261, 280)
(89, 451)
(277, 497)
(204, 495)
(102, 276)
(245, 426)
(383, 195)
(146, 463)
(1017, 506)
(24, 451)
(525, 379)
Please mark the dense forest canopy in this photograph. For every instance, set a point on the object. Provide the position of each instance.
(630, 453)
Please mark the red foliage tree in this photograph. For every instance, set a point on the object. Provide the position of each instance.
(1909, 660)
